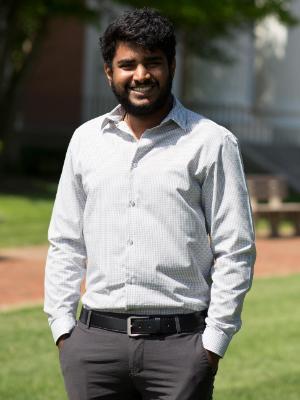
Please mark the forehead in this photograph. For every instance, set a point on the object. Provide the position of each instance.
(133, 51)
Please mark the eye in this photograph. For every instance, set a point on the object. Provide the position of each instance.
(127, 67)
(153, 64)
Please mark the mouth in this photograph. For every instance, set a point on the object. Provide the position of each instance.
(142, 89)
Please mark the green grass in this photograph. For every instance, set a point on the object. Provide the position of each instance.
(26, 205)
(263, 228)
(262, 362)
(29, 363)
(24, 218)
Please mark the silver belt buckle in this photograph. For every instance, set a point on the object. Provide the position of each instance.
(129, 326)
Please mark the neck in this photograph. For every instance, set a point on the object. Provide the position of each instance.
(138, 124)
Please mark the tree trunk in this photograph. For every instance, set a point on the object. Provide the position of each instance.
(10, 101)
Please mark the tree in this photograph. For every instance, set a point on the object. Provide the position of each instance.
(202, 23)
(23, 27)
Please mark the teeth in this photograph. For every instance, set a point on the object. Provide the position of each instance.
(142, 88)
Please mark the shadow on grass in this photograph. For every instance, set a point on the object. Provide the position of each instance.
(32, 188)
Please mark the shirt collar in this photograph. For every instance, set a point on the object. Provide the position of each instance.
(178, 114)
(115, 115)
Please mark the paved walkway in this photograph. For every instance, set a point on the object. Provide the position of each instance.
(22, 269)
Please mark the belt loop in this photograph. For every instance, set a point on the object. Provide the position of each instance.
(177, 324)
(88, 321)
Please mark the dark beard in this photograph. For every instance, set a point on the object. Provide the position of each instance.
(138, 111)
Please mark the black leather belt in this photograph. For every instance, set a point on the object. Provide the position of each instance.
(136, 325)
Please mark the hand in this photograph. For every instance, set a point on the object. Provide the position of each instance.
(213, 359)
(61, 339)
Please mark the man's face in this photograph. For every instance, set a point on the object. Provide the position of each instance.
(141, 79)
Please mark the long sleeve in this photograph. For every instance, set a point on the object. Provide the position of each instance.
(66, 261)
(229, 221)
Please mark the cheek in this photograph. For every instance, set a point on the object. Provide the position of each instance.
(162, 76)
(122, 78)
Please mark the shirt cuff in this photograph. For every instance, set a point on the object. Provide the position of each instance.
(215, 341)
(61, 326)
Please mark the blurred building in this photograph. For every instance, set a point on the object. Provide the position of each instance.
(257, 96)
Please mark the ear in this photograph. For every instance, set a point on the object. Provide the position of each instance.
(109, 73)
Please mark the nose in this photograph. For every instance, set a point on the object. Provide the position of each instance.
(141, 73)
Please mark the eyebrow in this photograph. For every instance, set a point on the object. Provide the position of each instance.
(132, 60)
(153, 58)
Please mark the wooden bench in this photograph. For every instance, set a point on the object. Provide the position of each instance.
(272, 190)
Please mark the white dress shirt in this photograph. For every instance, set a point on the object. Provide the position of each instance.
(160, 225)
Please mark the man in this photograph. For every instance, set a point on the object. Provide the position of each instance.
(152, 207)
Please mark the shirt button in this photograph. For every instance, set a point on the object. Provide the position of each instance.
(130, 242)
(131, 203)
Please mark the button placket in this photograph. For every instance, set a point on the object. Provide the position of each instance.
(130, 242)
(132, 203)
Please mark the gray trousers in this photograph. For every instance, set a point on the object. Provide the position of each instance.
(100, 364)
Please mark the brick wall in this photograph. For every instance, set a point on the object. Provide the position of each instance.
(52, 101)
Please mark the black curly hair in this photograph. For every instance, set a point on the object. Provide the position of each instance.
(145, 27)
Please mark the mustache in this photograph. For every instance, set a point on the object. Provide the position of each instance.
(137, 85)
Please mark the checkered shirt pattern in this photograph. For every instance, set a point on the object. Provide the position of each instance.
(160, 225)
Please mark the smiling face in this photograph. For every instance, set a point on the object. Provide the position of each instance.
(141, 79)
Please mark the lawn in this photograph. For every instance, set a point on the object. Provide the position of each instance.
(25, 210)
(24, 217)
(262, 362)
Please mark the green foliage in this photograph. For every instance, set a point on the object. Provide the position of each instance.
(24, 21)
(195, 13)
(202, 22)
(23, 27)
(260, 364)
